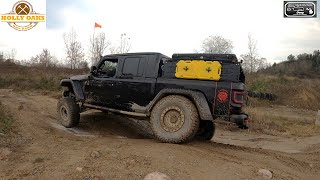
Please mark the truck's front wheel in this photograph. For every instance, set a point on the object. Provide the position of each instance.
(69, 112)
(174, 119)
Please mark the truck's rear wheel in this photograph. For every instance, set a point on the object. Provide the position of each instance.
(174, 119)
(69, 112)
(206, 130)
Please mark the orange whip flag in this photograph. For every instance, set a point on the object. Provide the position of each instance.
(96, 25)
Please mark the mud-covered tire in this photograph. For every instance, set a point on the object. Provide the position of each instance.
(69, 112)
(206, 130)
(174, 119)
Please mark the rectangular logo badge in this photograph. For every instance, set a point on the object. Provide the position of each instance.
(300, 9)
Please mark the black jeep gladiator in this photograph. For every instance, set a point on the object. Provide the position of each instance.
(143, 85)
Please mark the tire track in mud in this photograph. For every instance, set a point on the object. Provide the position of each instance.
(109, 128)
(237, 154)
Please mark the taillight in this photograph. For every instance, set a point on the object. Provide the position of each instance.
(238, 97)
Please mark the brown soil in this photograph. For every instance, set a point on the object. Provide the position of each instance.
(106, 146)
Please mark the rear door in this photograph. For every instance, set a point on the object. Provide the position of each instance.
(134, 88)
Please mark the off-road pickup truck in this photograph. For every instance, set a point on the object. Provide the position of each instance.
(140, 85)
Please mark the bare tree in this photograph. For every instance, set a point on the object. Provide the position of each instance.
(73, 49)
(253, 53)
(34, 60)
(114, 50)
(124, 46)
(83, 65)
(217, 44)
(263, 63)
(1, 56)
(44, 59)
(98, 45)
(246, 62)
(252, 61)
(11, 54)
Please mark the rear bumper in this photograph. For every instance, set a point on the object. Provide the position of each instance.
(241, 120)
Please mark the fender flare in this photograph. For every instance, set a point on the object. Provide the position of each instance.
(196, 97)
(75, 86)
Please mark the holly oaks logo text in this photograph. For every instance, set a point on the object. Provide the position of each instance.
(23, 17)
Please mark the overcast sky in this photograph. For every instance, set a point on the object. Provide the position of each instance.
(166, 26)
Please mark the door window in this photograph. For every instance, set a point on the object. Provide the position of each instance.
(133, 66)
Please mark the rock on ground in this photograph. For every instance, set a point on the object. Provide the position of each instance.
(4, 153)
(95, 154)
(157, 176)
(79, 169)
(265, 173)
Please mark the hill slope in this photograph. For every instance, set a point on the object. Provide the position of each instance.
(296, 83)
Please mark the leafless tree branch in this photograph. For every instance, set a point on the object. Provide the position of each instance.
(98, 45)
(73, 49)
(217, 44)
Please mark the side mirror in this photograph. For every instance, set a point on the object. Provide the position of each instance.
(93, 69)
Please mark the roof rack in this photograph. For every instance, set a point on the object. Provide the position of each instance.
(205, 56)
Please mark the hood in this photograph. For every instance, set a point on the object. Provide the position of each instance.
(80, 77)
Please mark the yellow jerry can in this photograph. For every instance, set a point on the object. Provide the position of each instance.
(198, 69)
(185, 69)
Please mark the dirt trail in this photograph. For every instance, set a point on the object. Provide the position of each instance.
(113, 147)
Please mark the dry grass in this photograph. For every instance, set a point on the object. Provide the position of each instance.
(280, 120)
(21, 78)
(291, 91)
(5, 120)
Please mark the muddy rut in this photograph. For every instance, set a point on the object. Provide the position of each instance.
(107, 146)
